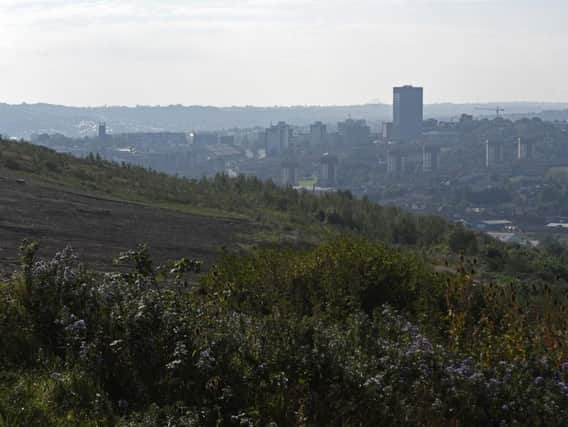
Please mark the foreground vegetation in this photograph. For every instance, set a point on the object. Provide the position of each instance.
(350, 333)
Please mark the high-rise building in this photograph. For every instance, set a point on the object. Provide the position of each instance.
(102, 130)
(430, 158)
(278, 138)
(203, 138)
(525, 149)
(290, 172)
(318, 133)
(387, 131)
(493, 153)
(407, 112)
(396, 163)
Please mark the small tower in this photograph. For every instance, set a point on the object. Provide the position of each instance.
(102, 130)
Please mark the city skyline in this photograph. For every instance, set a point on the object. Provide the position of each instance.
(277, 52)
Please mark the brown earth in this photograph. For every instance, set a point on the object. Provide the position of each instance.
(99, 229)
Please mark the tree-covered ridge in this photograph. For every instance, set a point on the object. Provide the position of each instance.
(284, 212)
(350, 333)
(245, 196)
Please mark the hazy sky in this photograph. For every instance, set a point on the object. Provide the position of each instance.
(280, 52)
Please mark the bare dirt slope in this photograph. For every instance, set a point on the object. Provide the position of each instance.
(99, 229)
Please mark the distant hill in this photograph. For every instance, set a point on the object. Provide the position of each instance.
(24, 120)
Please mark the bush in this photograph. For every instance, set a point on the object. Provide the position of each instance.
(463, 241)
(351, 333)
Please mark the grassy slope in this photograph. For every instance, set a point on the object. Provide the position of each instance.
(272, 215)
(136, 185)
(60, 186)
(284, 209)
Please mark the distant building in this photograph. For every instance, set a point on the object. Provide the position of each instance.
(223, 151)
(430, 158)
(227, 139)
(493, 153)
(278, 138)
(203, 138)
(209, 159)
(300, 139)
(441, 137)
(151, 141)
(102, 130)
(354, 132)
(497, 225)
(407, 113)
(396, 163)
(558, 225)
(430, 125)
(525, 149)
(328, 173)
(387, 131)
(333, 138)
(318, 133)
(290, 172)
(512, 238)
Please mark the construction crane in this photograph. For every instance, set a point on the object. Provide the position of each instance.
(498, 110)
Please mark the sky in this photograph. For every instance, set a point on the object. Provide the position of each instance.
(280, 52)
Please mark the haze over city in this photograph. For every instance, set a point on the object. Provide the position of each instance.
(276, 52)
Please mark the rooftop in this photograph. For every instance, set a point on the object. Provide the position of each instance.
(496, 222)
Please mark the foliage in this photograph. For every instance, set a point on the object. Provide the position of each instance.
(463, 241)
(350, 333)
